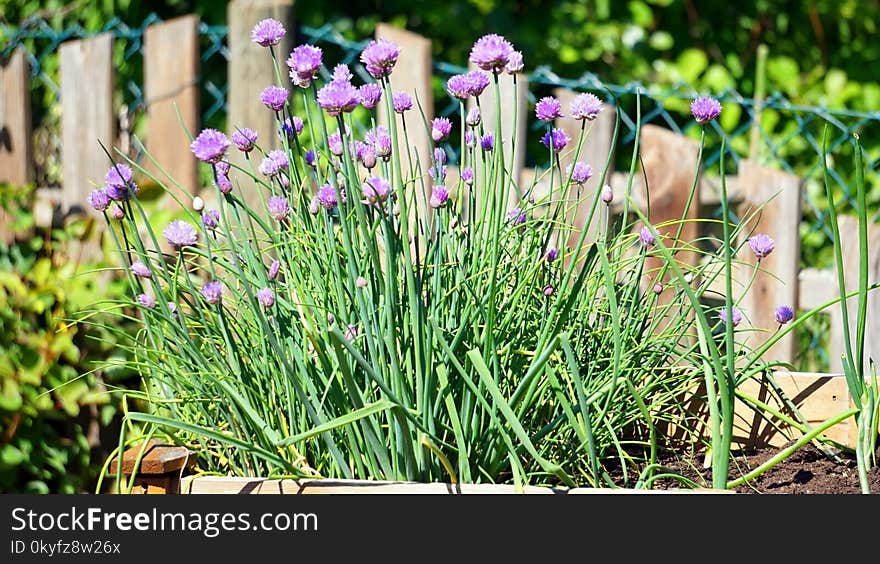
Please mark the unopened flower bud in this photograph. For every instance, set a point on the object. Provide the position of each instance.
(198, 204)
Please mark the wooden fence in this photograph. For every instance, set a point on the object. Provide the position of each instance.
(171, 76)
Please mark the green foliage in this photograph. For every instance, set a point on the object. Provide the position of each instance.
(54, 412)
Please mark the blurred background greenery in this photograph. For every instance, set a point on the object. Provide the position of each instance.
(55, 411)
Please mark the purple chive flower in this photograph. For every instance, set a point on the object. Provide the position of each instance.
(327, 197)
(552, 254)
(784, 314)
(469, 84)
(491, 53)
(375, 190)
(360, 282)
(646, 237)
(367, 156)
(658, 288)
(514, 63)
(379, 57)
(267, 32)
(487, 142)
(116, 212)
(269, 167)
(369, 95)
(548, 108)
(210, 146)
(223, 183)
(266, 297)
(467, 176)
(278, 207)
(338, 96)
(402, 102)
(99, 199)
(477, 82)
(291, 126)
(607, 194)
(212, 292)
(141, 270)
(304, 63)
(274, 269)
(274, 97)
(548, 290)
(439, 196)
(705, 109)
(441, 127)
(736, 316)
(342, 72)
(469, 138)
(762, 245)
(351, 332)
(439, 155)
(245, 139)
(311, 157)
(439, 177)
(211, 218)
(580, 172)
(222, 167)
(334, 143)
(146, 300)
(517, 216)
(556, 138)
(380, 140)
(585, 106)
(180, 234)
(473, 117)
(120, 186)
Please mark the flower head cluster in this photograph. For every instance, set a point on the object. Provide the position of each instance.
(379, 57)
(580, 172)
(304, 63)
(784, 314)
(245, 139)
(375, 190)
(705, 109)
(548, 108)
(211, 218)
(274, 269)
(467, 176)
(221, 176)
(338, 96)
(274, 97)
(180, 234)
(555, 138)
(369, 95)
(210, 146)
(266, 297)
(473, 117)
(380, 141)
(491, 52)
(487, 142)
(278, 207)
(646, 236)
(585, 107)
(552, 254)
(762, 245)
(213, 292)
(99, 200)
(146, 301)
(468, 84)
(514, 63)
(139, 269)
(736, 316)
(267, 32)
(516, 216)
(439, 196)
(327, 197)
(120, 185)
(291, 127)
(402, 102)
(441, 127)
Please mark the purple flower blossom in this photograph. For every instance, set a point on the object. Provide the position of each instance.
(473, 117)
(439, 155)
(146, 300)
(547, 290)
(375, 190)
(222, 167)
(402, 102)
(491, 53)
(469, 138)
(266, 297)
(274, 97)
(351, 332)
(646, 236)
(274, 269)
(267, 32)
(469, 84)
(213, 292)
(517, 216)
(369, 95)
(514, 63)
(736, 316)
(439, 196)
(585, 106)
(438, 177)
(548, 108)
(367, 156)
(116, 212)
(334, 143)
(380, 140)
(607, 194)
(552, 254)
(762, 245)
(360, 282)
(658, 288)
(487, 142)
(705, 109)
(210, 146)
(327, 197)
(379, 57)
(467, 176)
(580, 172)
(304, 62)
(556, 138)
(784, 314)
(269, 167)
(311, 157)
(244, 139)
(211, 218)
(99, 199)
(223, 183)
(291, 126)
(342, 72)
(141, 270)
(120, 186)
(337, 97)
(180, 234)
(278, 207)
(441, 127)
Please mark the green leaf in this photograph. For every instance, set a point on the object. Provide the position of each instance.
(347, 419)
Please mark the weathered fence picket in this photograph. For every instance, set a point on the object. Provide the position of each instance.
(16, 164)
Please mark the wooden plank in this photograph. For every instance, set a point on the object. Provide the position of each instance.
(250, 70)
(158, 458)
(816, 287)
(708, 193)
(849, 242)
(172, 89)
(774, 197)
(87, 117)
(16, 154)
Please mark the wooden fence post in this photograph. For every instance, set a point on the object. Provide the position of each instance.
(776, 283)
(849, 243)
(250, 71)
(160, 468)
(16, 156)
(171, 70)
(87, 117)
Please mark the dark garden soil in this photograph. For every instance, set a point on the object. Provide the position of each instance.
(807, 471)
